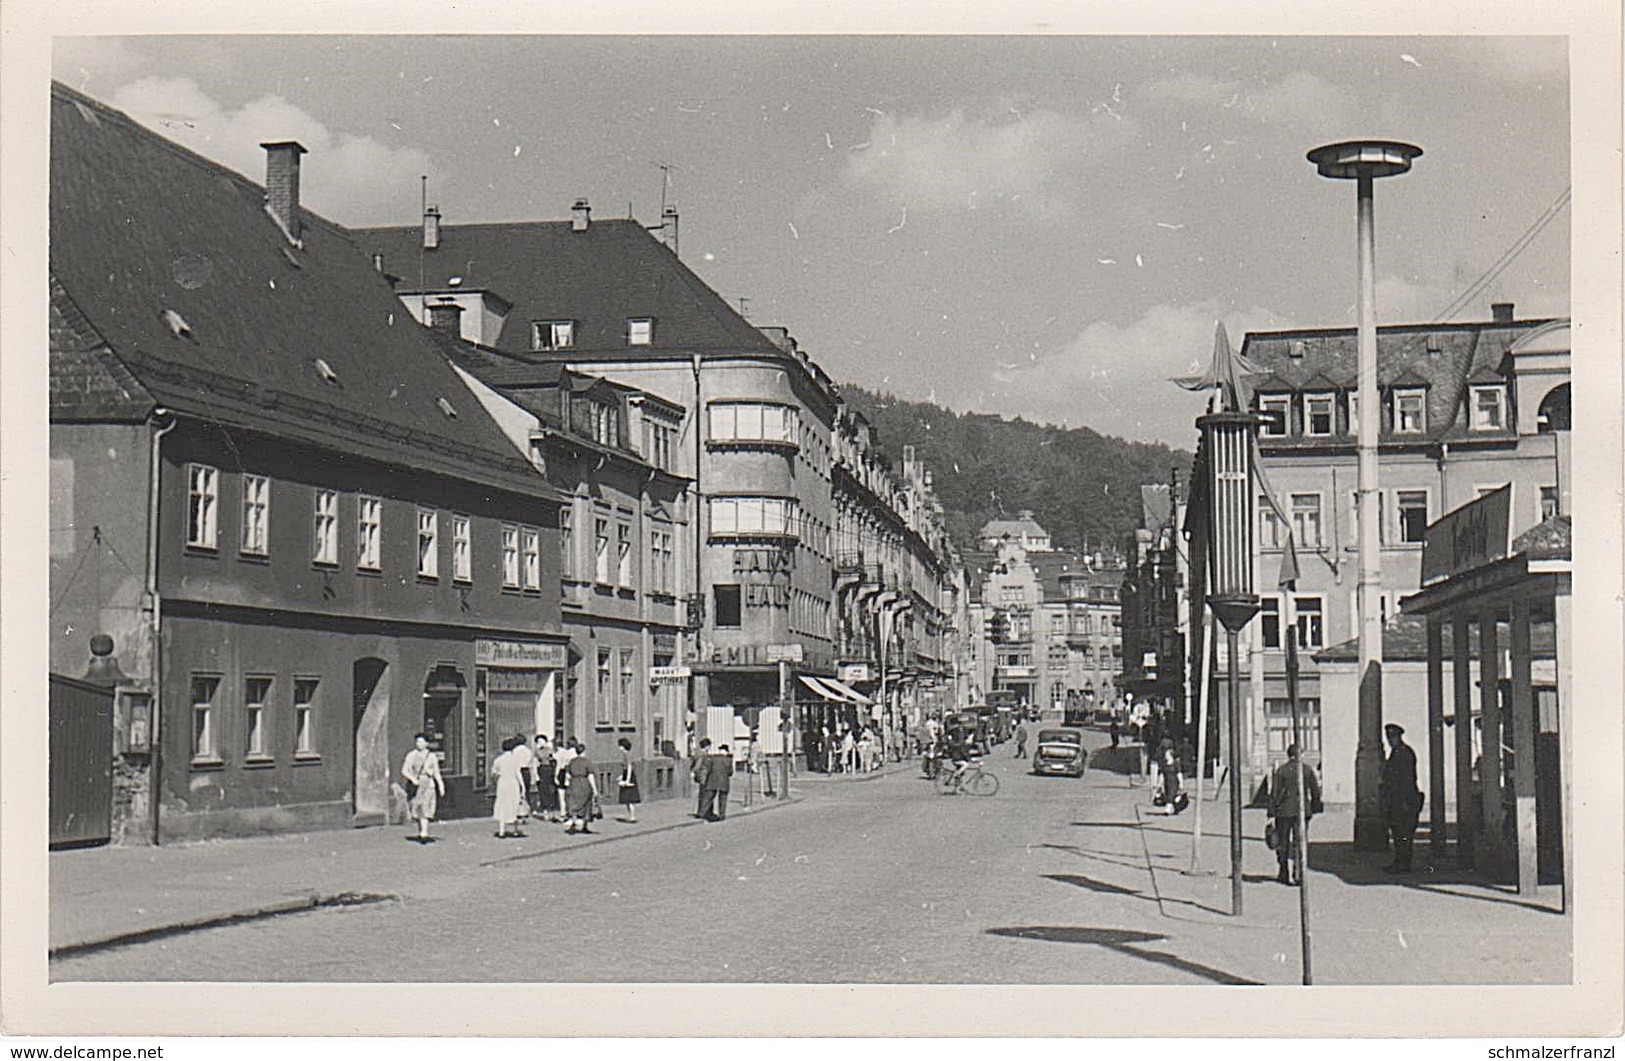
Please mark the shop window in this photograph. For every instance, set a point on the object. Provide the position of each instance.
(325, 530)
(428, 543)
(256, 694)
(304, 717)
(1278, 719)
(256, 539)
(462, 549)
(369, 533)
(202, 509)
(205, 687)
(725, 605)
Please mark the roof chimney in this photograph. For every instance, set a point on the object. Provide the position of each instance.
(282, 185)
(581, 216)
(668, 226)
(1501, 312)
(431, 228)
(446, 317)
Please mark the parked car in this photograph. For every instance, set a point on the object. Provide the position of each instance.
(1060, 751)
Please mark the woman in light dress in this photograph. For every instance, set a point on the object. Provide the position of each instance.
(421, 770)
(505, 771)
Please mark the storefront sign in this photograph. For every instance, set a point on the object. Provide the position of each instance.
(664, 644)
(669, 674)
(513, 681)
(756, 596)
(763, 561)
(1476, 534)
(854, 672)
(518, 654)
(790, 653)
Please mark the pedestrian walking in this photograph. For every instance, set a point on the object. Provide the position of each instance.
(421, 773)
(1021, 740)
(545, 771)
(1400, 797)
(1283, 812)
(510, 790)
(756, 763)
(698, 770)
(581, 791)
(849, 751)
(715, 785)
(866, 751)
(813, 743)
(1117, 732)
(627, 793)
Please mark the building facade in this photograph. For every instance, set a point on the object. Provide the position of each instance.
(302, 561)
(1466, 409)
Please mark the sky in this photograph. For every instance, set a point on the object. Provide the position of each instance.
(1043, 226)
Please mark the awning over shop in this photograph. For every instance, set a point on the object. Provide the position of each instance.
(847, 692)
(818, 686)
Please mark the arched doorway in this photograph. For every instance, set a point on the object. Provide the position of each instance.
(1554, 410)
(369, 707)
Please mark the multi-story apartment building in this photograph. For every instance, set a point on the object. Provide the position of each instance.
(622, 529)
(755, 439)
(307, 538)
(1466, 408)
(895, 591)
(1155, 604)
(1045, 624)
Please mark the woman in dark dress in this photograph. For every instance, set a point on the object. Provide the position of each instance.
(581, 791)
(545, 770)
(627, 793)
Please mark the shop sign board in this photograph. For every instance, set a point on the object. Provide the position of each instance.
(852, 673)
(1476, 534)
(666, 675)
(490, 652)
(790, 653)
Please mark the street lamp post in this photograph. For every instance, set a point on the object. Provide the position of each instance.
(1363, 161)
(1227, 439)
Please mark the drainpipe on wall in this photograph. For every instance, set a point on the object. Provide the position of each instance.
(165, 423)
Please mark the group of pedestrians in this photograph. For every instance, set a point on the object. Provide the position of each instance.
(846, 750)
(531, 778)
(713, 775)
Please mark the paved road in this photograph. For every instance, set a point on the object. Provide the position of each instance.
(876, 881)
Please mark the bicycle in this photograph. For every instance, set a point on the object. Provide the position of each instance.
(974, 781)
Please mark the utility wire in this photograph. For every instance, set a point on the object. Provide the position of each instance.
(1507, 258)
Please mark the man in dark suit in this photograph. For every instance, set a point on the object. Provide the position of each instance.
(1401, 799)
(701, 769)
(714, 788)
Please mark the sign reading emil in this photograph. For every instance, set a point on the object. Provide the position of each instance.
(1477, 533)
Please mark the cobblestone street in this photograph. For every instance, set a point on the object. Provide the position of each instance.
(1051, 881)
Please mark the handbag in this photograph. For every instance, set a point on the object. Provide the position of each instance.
(1270, 839)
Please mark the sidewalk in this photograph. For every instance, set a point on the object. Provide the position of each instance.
(106, 895)
(1433, 926)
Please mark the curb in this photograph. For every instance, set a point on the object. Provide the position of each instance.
(743, 812)
(258, 913)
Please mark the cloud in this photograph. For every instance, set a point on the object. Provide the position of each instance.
(355, 180)
(1298, 98)
(963, 161)
(1114, 378)
(96, 64)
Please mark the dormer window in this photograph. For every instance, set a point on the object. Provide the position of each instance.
(640, 331)
(552, 335)
(1489, 408)
(1276, 409)
(1353, 400)
(1410, 412)
(1317, 414)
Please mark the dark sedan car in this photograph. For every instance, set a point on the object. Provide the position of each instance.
(1060, 751)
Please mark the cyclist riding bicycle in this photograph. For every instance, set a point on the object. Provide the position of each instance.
(959, 753)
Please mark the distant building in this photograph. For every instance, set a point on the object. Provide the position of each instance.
(1155, 601)
(307, 538)
(1466, 408)
(1023, 531)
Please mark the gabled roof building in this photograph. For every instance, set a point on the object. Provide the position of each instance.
(307, 537)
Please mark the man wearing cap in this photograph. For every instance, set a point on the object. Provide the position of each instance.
(1401, 799)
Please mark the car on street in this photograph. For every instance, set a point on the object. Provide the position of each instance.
(1059, 751)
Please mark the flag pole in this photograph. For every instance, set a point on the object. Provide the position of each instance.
(1289, 629)
(1201, 737)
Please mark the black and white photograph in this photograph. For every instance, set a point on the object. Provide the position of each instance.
(611, 509)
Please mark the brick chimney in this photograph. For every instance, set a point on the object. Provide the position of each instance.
(282, 185)
(581, 216)
(1501, 312)
(668, 227)
(446, 317)
(431, 228)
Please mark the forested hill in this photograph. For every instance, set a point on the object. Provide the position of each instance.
(1082, 486)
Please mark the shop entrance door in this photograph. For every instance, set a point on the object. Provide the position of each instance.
(369, 709)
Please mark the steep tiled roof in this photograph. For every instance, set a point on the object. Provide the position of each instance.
(1438, 356)
(1015, 528)
(174, 262)
(1551, 540)
(598, 278)
(87, 381)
